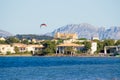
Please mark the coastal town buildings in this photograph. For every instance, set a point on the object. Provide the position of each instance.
(76, 47)
(70, 40)
(34, 48)
(4, 48)
(66, 36)
(61, 48)
(20, 46)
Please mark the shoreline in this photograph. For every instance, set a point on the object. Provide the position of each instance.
(29, 55)
(16, 55)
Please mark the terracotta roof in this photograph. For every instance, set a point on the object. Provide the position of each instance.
(35, 45)
(70, 44)
(19, 45)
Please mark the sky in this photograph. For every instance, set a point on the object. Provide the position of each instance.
(25, 16)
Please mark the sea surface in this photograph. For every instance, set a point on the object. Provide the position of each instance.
(59, 68)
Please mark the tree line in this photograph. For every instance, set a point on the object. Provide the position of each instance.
(50, 46)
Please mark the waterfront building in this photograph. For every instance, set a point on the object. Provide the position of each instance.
(21, 47)
(5, 48)
(61, 48)
(34, 48)
(112, 49)
(93, 47)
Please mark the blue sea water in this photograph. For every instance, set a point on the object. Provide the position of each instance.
(59, 68)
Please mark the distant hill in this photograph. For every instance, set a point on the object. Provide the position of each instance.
(5, 33)
(86, 30)
(31, 36)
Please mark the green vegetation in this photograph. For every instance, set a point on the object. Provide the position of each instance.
(32, 36)
(25, 41)
(100, 46)
(49, 47)
(87, 46)
(12, 40)
(60, 41)
(16, 49)
(118, 42)
(8, 52)
(82, 39)
(109, 42)
(2, 42)
(69, 50)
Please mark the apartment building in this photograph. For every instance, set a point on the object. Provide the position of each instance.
(66, 36)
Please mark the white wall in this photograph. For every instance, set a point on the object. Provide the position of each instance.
(93, 47)
(5, 48)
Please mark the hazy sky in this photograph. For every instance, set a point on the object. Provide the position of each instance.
(25, 16)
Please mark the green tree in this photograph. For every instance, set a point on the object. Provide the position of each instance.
(109, 42)
(8, 52)
(82, 39)
(118, 42)
(100, 46)
(25, 42)
(78, 42)
(12, 40)
(2, 42)
(16, 49)
(59, 41)
(49, 47)
(87, 46)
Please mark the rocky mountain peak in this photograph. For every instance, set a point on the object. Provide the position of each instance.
(85, 30)
(5, 33)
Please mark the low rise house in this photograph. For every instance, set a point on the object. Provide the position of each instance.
(61, 48)
(21, 47)
(34, 48)
(112, 49)
(5, 48)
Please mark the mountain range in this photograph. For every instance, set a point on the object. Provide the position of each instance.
(86, 30)
(5, 33)
(83, 30)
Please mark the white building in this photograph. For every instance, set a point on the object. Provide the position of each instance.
(66, 35)
(93, 47)
(75, 47)
(4, 48)
(2, 38)
(21, 47)
(34, 48)
(95, 38)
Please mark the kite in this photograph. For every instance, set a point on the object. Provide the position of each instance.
(43, 25)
